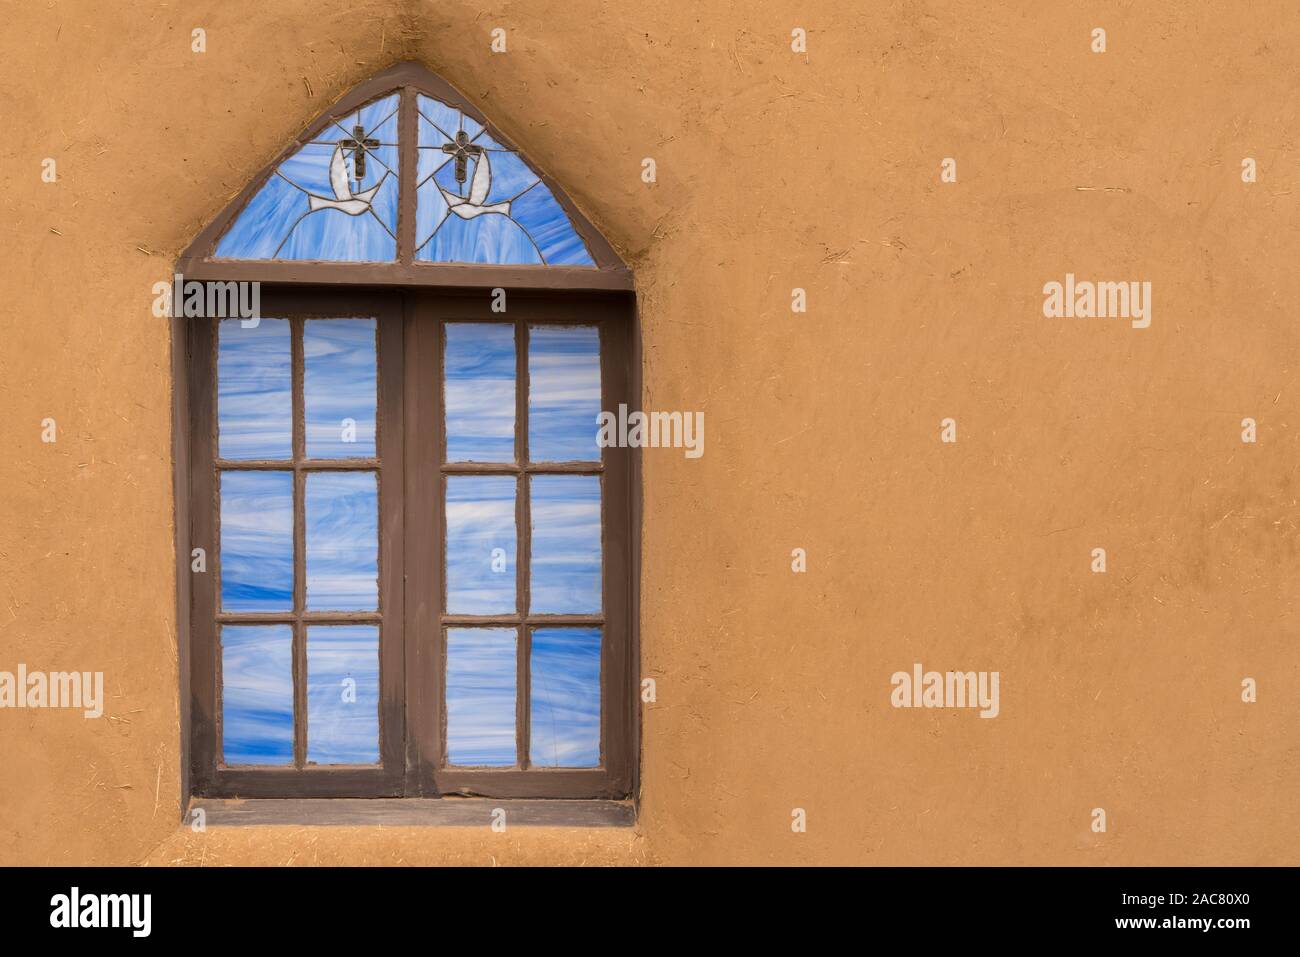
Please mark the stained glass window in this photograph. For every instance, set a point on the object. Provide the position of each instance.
(336, 198)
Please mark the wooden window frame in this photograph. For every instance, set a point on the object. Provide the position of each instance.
(411, 302)
(411, 437)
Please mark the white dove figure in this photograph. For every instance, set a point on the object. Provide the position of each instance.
(354, 204)
(479, 186)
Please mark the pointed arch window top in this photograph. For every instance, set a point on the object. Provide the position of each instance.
(402, 179)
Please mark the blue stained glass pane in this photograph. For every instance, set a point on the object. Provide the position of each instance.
(481, 696)
(327, 236)
(342, 541)
(430, 211)
(260, 230)
(479, 369)
(542, 217)
(486, 239)
(332, 200)
(443, 120)
(565, 719)
(429, 161)
(257, 694)
(343, 694)
(566, 559)
(256, 541)
(563, 393)
(339, 387)
(486, 205)
(480, 545)
(254, 390)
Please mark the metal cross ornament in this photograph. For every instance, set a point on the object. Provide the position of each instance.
(462, 149)
(358, 144)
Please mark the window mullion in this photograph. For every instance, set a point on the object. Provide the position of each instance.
(299, 551)
(408, 134)
(424, 543)
(523, 536)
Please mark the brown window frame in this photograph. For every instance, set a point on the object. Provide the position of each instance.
(412, 302)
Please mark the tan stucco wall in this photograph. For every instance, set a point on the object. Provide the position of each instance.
(775, 171)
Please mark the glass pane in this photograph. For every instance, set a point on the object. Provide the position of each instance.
(480, 544)
(563, 393)
(342, 541)
(478, 202)
(480, 392)
(257, 694)
(481, 696)
(256, 541)
(343, 694)
(566, 544)
(254, 390)
(334, 199)
(565, 721)
(339, 387)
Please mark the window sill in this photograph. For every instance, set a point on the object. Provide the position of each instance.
(412, 812)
